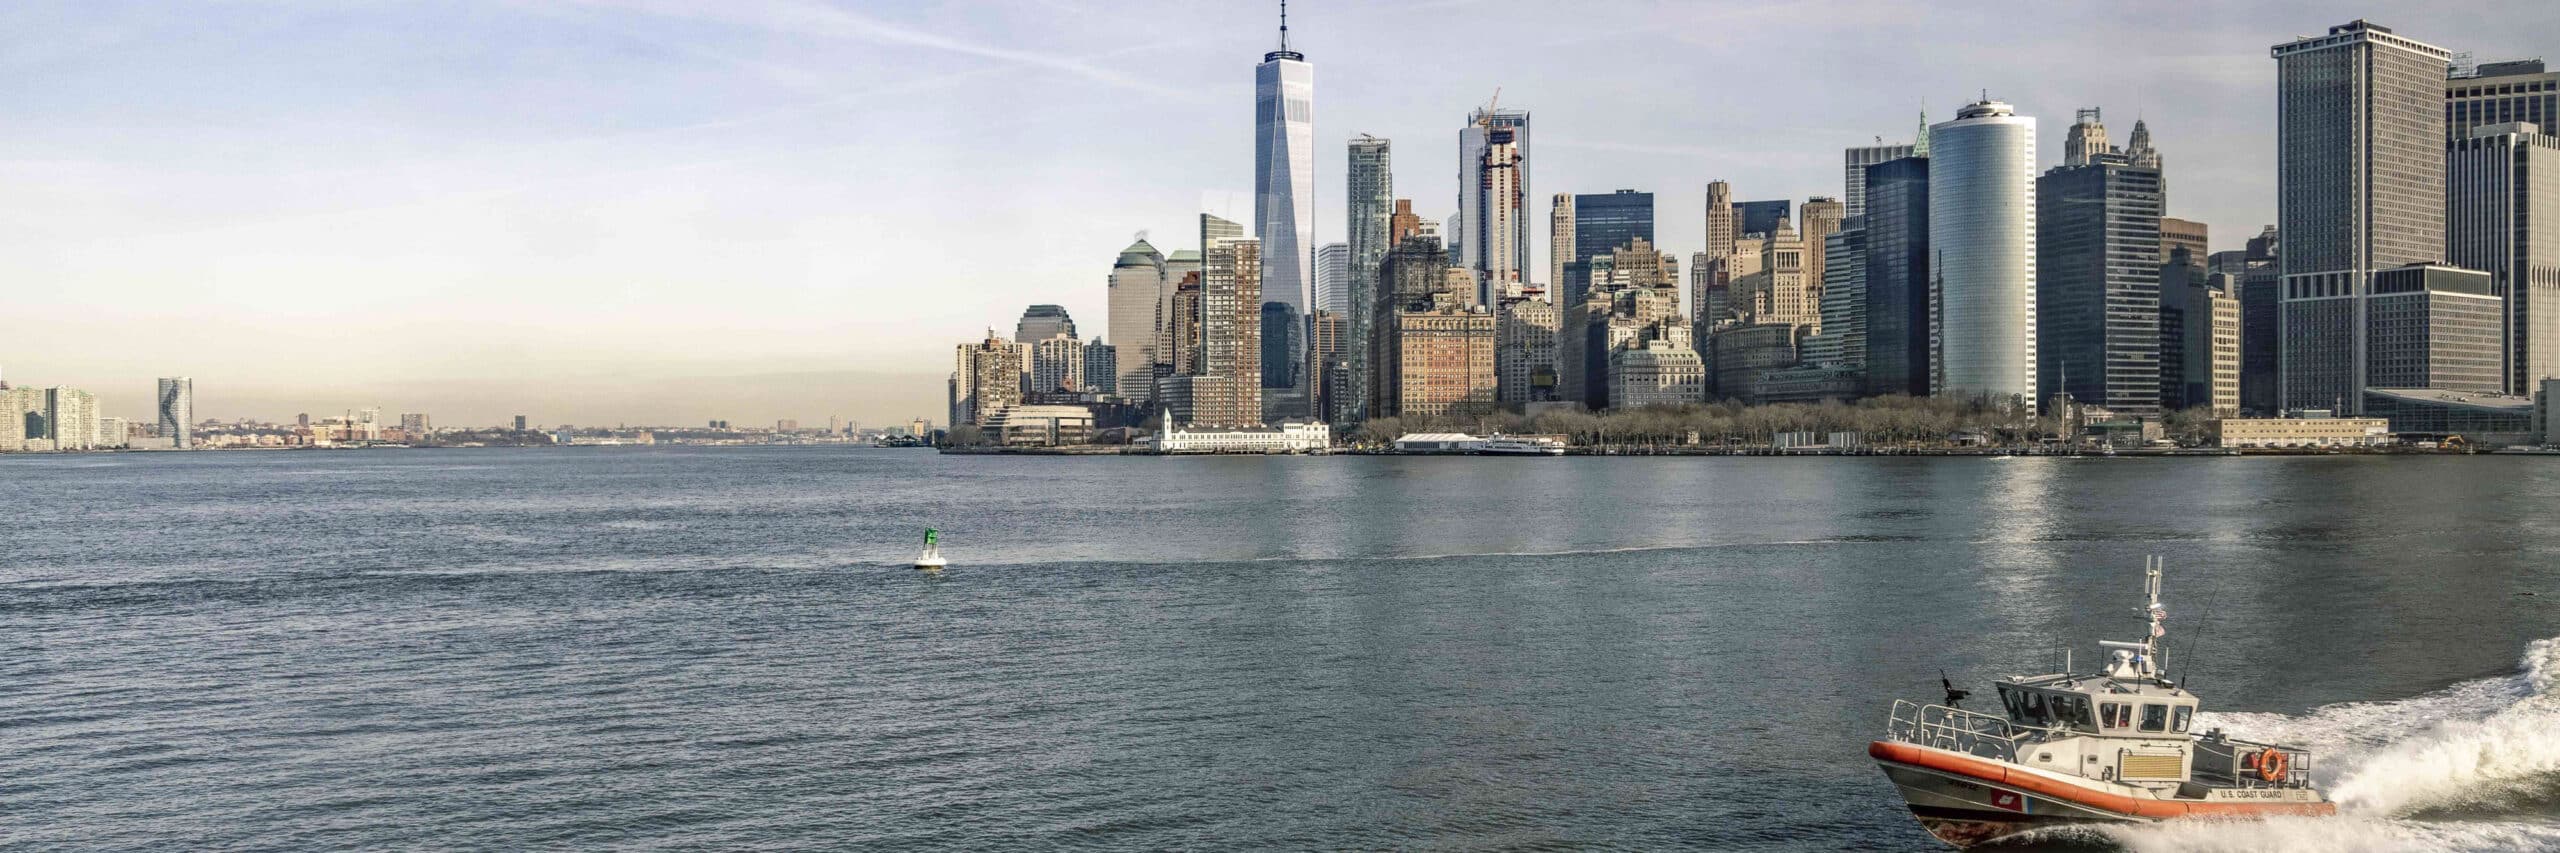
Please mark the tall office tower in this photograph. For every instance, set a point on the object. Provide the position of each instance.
(1559, 239)
(1284, 207)
(2199, 337)
(1333, 277)
(178, 411)
(2500, 93)
(2502, 217)
(1761, 217)
(1493, 188)
(1372, 200)
(1325, 354)
(1853, 202)
(1413, 273)
(1401, 224)
(1712, 275)
(2086, 139)
(414, 424)
(1818, 218)
(1603, 223)
(1177, 349)
(1982, 265)
(1284, 361)
(2435, 326)
(1231, 353)
(2178, 233)
(1722, 223)
(986, 378)
(1843, 341)
(1042, 322)
(1897, 274)
(1216, 232)
(2098, 282)
(2261, 337)
(1057, 364)
(71, 418)
(1182, 329)
(1137, 299)
(1101, 368)
(1782, 291)
(1373, 212)
(1524, 355)
(2360, 188)
(1284, 116)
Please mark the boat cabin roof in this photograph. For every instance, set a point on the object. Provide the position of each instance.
(2101, 705)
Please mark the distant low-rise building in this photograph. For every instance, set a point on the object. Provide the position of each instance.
(1288, 437)
(2482, 419)
(1040, 426)
(2303, 432)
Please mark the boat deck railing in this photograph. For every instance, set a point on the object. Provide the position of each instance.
(1957, 730)
(2232, 763)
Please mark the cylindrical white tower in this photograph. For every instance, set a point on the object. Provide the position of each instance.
(1982, 254)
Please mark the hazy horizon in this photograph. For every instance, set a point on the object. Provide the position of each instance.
(662, 212)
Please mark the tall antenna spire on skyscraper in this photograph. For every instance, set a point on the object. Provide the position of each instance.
(1284, 24)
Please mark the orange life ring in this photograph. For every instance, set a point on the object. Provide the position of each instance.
(2272, 764)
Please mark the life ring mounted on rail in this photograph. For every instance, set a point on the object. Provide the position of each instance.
(2271, 763)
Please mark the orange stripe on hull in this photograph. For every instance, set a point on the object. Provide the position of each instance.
(2156, 809)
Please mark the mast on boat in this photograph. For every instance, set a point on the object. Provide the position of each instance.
(2142, 660)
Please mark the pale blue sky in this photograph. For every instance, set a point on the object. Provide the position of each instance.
(646, 211)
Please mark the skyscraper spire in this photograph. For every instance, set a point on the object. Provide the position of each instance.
(1284, 24)
(1920, 144)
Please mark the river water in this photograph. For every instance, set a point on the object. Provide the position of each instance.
(722, 648)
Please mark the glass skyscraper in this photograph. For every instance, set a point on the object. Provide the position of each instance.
(1284, 117)
(178, 411)
(1982, 254)
(1897, 277)
(1606, 223)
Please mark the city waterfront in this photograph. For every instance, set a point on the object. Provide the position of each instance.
(696, 647)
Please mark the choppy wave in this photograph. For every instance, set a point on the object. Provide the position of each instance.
(2475, 766)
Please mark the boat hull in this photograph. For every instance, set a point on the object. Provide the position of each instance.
(1967, 800)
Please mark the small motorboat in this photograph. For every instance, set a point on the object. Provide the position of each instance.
(2110, 746)
(931, 559)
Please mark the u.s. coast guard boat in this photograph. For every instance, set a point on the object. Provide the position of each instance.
(2110, 746)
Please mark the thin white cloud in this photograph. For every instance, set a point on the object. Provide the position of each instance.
(819, 19)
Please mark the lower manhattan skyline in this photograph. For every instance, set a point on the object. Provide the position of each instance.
(662, 213)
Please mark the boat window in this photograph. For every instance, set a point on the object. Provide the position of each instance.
(2155, 718)
(2114, 715)
(2035, 708)
(2080, 712)
(2009, 700)
(2179, 723)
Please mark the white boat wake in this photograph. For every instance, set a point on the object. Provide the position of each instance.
(2473, 767)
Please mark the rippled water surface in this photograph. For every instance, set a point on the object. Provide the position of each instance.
(626, 647)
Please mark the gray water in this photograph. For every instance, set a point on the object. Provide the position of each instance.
(722, 648)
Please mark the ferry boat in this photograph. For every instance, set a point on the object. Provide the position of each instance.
(2109, 746)
(1513, 445)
